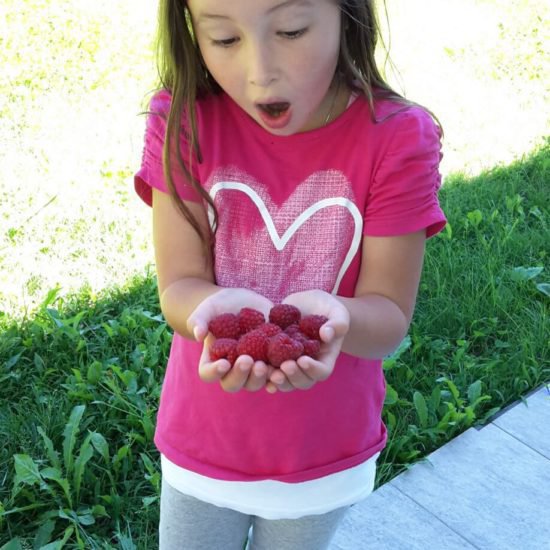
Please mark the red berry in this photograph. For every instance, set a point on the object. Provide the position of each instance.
(284, 315)
(298, 336)
(253, 343)
(224, 348)
(270, 329)
(225, 325)
(293, 329)
(312, 348)
(310, 325)
(281, 348)
(249, 319)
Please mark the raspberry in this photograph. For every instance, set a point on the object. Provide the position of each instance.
(271, 329)
(312, 348)
(292, 330)
(224, 348)
(225, 325)
(282, 348)
(249, 319)
(310, 325)
(298, 336)
(253, 343)
(284, 315)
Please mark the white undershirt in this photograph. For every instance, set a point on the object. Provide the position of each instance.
(274, 499)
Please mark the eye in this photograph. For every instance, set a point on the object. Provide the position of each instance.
(225, 43)
(292, 35)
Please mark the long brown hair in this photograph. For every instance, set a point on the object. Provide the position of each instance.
(183, 73)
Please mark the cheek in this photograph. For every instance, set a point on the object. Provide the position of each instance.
(319, 61)
(222, 71)
(213, 58)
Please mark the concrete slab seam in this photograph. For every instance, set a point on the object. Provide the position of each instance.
(436, 517)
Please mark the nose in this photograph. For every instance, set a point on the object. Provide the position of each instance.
(261, 64)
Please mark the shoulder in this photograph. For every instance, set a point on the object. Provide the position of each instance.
(391, 123)
(161, 102)
(397, 120)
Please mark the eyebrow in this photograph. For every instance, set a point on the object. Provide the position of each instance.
(285, 4)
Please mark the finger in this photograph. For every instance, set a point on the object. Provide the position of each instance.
(337, 326)
(278, 377)
(257, 377)
(270, 386)
(296, 376)
(327, 333)
(236, 378)
(197, 326)
(213, 371)
(200, 331)
(315, 369)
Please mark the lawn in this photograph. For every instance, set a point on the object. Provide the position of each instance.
(82, 344)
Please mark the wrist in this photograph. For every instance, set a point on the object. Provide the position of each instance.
(377, 326)
(179, 299)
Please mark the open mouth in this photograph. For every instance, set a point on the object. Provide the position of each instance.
(275, 110)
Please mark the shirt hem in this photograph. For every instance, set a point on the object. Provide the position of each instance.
(274, 514)
(216, 472)
(266, 512)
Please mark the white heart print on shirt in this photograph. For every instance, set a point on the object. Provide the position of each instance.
(307, 242)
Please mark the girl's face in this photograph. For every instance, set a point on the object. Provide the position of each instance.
(275, 58)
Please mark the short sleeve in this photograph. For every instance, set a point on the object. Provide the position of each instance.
(151, 172)
(403, 194)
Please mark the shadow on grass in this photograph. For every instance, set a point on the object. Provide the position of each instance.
(479, 340)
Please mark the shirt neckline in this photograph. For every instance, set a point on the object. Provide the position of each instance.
(310, 135)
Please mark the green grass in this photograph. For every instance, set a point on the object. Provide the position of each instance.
(82, 345)
(481, 334)
(80, 381)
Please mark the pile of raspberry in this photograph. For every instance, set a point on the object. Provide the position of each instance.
(286, 335)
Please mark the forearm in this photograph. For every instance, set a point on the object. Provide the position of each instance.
(377, 326)
(180, 299)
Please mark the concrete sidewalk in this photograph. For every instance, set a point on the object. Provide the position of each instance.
(487, 489)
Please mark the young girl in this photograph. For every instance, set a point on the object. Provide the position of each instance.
(281, 168)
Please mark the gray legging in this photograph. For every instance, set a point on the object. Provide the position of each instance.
(187, 523)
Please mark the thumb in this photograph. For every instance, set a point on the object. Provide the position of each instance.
(337, 326)
(200, 331)
(327, 333)
(198, 328)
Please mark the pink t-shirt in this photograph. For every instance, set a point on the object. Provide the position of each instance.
(292, 213)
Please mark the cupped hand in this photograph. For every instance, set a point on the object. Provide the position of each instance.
(225, 300)
(245, 373)
(306, 371)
